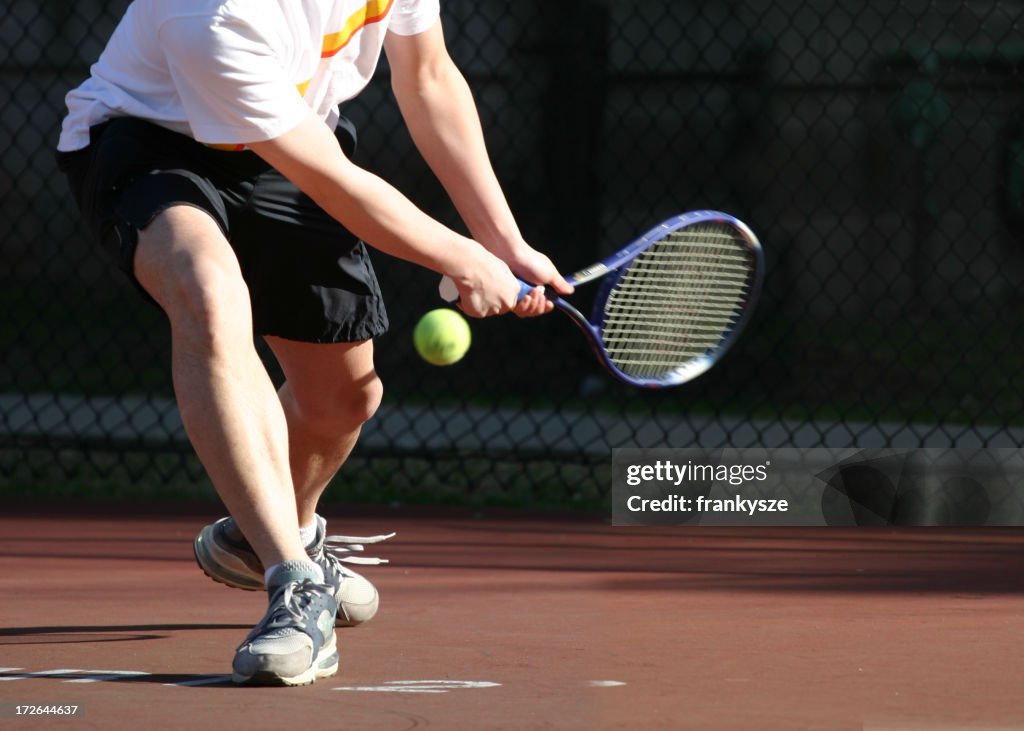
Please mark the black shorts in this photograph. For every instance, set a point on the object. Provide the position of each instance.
(309, 278)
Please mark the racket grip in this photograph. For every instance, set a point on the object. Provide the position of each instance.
(449, 293)
(524, 288)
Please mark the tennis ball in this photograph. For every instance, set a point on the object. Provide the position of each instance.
(442, 336)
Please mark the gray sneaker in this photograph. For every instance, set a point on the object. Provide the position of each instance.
(294, 643)
(226, 557)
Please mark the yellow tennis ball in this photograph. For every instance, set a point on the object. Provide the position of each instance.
(442, 336)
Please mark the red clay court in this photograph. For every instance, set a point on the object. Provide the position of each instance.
(506, 620)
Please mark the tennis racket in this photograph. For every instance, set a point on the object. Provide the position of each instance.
(672, 302)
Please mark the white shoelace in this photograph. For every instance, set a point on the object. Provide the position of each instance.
(287, 617)
(341, 548)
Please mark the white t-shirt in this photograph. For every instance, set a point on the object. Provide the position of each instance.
(229, 72)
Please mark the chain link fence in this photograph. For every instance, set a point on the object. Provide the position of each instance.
(876, 148)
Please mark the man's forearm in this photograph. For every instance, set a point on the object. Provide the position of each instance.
(373, 210)
(442, 118)
(368, 206)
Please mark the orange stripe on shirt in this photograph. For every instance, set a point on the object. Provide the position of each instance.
(373, 12)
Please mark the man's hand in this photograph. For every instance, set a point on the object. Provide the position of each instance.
(485, 284)
(532, 266)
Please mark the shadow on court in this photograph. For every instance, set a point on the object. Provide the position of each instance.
(115, 633)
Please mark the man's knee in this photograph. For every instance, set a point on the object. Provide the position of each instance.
(355, 406)
(210, 301)
(344, 408)
(370, 399)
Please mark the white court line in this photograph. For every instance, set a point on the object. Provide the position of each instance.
(63, 672)
(80, 675)
(74, 675)
(388, 689)
(421, 686)
(103, 676)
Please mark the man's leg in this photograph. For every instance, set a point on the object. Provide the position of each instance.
(237, 427)
(227, 401)
(330, 391)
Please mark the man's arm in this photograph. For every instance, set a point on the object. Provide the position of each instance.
(442, 118)
(376, 212)
(233, 90)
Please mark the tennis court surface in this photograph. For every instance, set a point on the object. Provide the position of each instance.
(523, 621)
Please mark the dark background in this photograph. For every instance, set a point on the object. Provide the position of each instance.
(876, 148)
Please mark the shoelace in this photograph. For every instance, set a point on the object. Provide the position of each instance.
(339, 549)
(288, 611)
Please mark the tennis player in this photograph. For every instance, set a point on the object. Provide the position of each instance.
(206, 151)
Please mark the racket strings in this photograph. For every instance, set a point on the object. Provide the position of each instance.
(678, 300)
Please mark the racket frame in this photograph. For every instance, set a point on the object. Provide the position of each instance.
(613, 268)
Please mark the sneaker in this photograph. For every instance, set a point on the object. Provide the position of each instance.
(226, 557)
(294, 643)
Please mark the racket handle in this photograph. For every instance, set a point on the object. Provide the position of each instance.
(524, 288)
(449, 293)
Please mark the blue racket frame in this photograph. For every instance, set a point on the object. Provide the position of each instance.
(612, 269)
